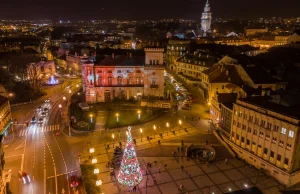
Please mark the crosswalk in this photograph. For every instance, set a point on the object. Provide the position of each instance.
(38, 129)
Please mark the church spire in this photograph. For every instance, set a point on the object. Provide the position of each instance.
(207, 4)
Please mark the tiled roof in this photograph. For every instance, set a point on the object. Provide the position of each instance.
(258, 74)
(226, 97)
(122, 60)
(194, 59)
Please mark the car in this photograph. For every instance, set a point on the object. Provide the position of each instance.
(187, 106)
(187, 101)
(41, 120)
(39, 108)
(33, 120)
(24, 177)
(74, 181)
(48, 100)
(46, 110)
(43, 114)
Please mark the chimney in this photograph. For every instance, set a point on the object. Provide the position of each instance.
(113, 55)
(130, 55)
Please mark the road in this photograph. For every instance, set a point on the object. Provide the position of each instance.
(37, 150)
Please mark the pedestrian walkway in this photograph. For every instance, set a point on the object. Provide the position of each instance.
(39, 129)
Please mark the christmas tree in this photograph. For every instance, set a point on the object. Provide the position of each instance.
(130, 173)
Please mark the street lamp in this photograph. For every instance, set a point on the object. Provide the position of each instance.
(92, 150)
(70, 91)
(94, 160)
(139, 114)
(141, 130)
(64, 98)
(59, 106)
(77, 85)
(180, 122)
(98, 182)
(113, 138)
(154, 128)
(167, 124)
(96, 171)
(117, 115)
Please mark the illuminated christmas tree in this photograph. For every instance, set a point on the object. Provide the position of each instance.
(130, 173)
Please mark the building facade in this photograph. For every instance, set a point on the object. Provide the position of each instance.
(124, 77)
(206, 19)
(5, 115)
(266, 135)
(175, 50)
(253, 31)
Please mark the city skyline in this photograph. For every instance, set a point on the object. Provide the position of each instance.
(186, 9)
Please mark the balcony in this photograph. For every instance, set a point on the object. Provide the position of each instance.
(153, 86)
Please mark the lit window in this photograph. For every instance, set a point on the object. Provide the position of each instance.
(291, 133)
(283, 130)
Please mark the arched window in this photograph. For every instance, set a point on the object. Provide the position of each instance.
(119, 80)
(109, 81)
(99, 81)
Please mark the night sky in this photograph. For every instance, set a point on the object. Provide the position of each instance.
(145, 9)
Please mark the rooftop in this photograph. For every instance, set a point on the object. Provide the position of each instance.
(265, 103)
(122, 60)
(198, 57)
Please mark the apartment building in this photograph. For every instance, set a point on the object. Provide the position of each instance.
(266, 135)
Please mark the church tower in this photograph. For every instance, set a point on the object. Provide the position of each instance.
(206, 19)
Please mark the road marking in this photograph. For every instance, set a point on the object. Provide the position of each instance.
(44, 180)
(50, 177)
(56, 189)
(22, 163)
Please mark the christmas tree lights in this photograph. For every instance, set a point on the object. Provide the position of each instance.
(130, 173)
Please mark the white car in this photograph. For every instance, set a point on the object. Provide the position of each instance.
(48, 100)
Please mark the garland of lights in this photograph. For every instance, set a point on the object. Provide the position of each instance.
(130, 173)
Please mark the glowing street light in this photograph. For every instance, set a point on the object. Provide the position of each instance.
(96, 171)
(77, 85)
(59, 106)
(117, 115)
(180, 122)
(167, 124)
(141, 130)
(70, 91)
(91, 116)
(92, 150)
(139, 114)
(94, 160)
(154, 128)
(98, 182)
(246, 185)
(64, 98)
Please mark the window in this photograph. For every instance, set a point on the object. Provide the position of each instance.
(265, 150)
(267, 137)
(222, 87)
(255, 132)
(119, 80)
(240, 114)
(278, 157)
(249, 130)
(153, 82)
(109, 81)
(239, 125)
(233, 134)
(245, 116)
(256, 121)
(243, 139)
(286, 161)
(291, 133)
(138, 81)
(269, 126)
(248, 142)
(99, 81)
(244, 127)
(276, 128)
(99, 71)
(237, 137)
(288, 146)
(233, 123)
(262, 123)
(138, 71)
(283, 130)
(150, 62)
(109, 71)
(251, 118)
(281, 143)
(274, 140)
(261, 134)
(128, 71)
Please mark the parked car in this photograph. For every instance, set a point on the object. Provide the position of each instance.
(43, 114)
(39, 108)
(74, 181)
(41, 120)
(46, 109)
(48, 100)
(24, 177)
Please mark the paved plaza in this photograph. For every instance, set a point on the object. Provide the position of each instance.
(195, 176)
